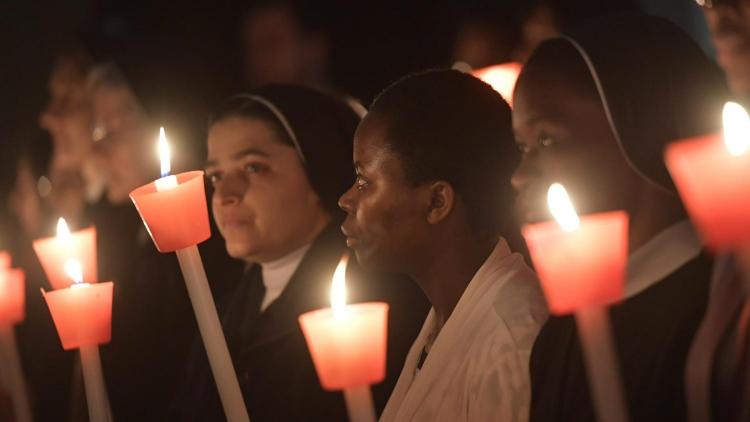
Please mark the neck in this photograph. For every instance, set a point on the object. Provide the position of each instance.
(448, 269)
(654, 211)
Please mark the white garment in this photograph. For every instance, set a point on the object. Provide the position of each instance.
(662, 255)
(276, 275)
(477, 368)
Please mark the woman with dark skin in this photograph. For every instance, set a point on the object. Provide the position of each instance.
(593, 111)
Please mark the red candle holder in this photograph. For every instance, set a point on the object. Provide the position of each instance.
(348, 350)
(501, 77)
(583, 268)
(82, 314)
(175, 218)
(53, 252)
(12, 296)
(5, 259)
(715, 187)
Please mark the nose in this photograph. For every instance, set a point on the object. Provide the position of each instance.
(524, 174)
(347, 201)
(231, 189)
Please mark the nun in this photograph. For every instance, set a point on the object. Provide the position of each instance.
(593, 110)
(278, 161)
(432, 199)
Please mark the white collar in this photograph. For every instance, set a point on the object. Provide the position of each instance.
(666, 252)
(276, 274)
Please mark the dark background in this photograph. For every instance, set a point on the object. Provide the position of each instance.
(192, 48)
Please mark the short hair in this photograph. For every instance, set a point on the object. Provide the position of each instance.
(448, 125)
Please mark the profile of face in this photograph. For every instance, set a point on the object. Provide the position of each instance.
(564, 137)
(277, 50)
(67, 115)
(729, 22)
(387, 216)
(124, 149)
(263, 202)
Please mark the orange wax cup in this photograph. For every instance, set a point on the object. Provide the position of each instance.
(715, 187)
(53, 252)
(82, 314)
(502, 78)
(12, 296)
(348, 350)
(580, 268)
(176, 217)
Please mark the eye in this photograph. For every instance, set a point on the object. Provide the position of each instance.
(214, 177)
(523, 148)
(255, 168)
(546, 141)
(360, 183)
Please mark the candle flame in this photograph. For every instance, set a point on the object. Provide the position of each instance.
(338, 288)
(736, 129)
(164, 153)
(63, 232)
(74, 270)
(562, 208)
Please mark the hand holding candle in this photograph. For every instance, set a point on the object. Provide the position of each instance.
(581, 266)
(12, 304)
(174, 211)
(348, 346)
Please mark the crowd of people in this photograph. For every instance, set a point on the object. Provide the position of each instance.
(427, 188)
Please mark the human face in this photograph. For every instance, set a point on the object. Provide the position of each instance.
(386, 223)
(127, 158)
(263, 203)
(565, 137)
(729, 22)
(67, 115)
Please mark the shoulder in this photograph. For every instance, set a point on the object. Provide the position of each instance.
(519, 302)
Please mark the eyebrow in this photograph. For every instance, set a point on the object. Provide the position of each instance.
(240, 154)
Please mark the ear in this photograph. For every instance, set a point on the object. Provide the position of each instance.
(442, 201)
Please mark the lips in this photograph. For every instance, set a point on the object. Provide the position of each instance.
(351, 241)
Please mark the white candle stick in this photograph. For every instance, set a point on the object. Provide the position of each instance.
(599, 354)
(359, 404)
(14, 379)
(93, 380)
(212, 334)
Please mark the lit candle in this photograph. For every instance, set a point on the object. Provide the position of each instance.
(82, 314)
(712, 174)
(54, 251)
(12, 301)
(501, 77)
(174, 211)
(581, 267)
(348, 346)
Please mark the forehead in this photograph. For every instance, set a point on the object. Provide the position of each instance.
(372, 148)
(549, 96)
(235, 134)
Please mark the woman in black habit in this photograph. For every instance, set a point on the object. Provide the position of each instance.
(278, 161)
(594, 110)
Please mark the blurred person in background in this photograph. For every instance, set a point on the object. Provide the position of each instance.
(282, 43)
(729, 23)
(485, 36)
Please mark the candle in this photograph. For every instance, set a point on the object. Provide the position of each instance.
(501, 77)
(712, 174)
(54, 251)
(82, 314)
(581, 266)
(348, 346)
(12, 304)
(174, 211)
